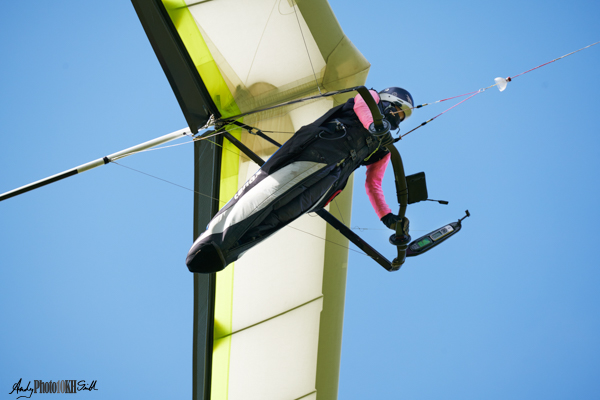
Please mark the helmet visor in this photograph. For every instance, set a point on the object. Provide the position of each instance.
(404, 107)
(399, 112)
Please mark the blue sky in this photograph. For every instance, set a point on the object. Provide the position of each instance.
(92, 280)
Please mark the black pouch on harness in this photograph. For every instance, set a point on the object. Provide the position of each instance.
(417, 187)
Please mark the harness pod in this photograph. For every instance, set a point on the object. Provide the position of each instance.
(302, 176)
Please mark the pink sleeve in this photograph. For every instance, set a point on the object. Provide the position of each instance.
(375, 173)
(361, 109)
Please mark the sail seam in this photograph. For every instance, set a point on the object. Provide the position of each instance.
(273, 317)
(306, 395)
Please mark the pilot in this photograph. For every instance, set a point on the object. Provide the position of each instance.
(304, 175)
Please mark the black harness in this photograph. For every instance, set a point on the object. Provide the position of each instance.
(338, 141)
(338, 137)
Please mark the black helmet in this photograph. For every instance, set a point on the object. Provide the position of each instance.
(400, 98)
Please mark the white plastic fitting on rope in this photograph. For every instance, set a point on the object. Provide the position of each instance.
(501, 83)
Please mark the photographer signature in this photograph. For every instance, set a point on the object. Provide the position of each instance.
(64, 386)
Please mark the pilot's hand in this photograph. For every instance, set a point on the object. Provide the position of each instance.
(390, 220)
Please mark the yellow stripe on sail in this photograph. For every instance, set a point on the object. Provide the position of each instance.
(211, 76)
(224, 291)
(201, 57)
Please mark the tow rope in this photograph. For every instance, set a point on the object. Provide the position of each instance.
(500, 82)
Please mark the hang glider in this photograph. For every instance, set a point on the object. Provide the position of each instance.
(269, 326)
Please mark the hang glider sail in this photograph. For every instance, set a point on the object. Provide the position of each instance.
(272, 329)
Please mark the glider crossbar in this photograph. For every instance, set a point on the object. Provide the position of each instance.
(243, 148)
(363, 91)
(255, 131)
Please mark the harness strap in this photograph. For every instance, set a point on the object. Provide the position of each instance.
(374, 151)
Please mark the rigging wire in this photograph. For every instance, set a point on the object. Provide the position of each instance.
(339, 211)
(306, 47)
(259, 43)
(327, 240)
(169, 182)
(224, 202)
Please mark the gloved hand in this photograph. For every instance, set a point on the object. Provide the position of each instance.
(390, 220)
